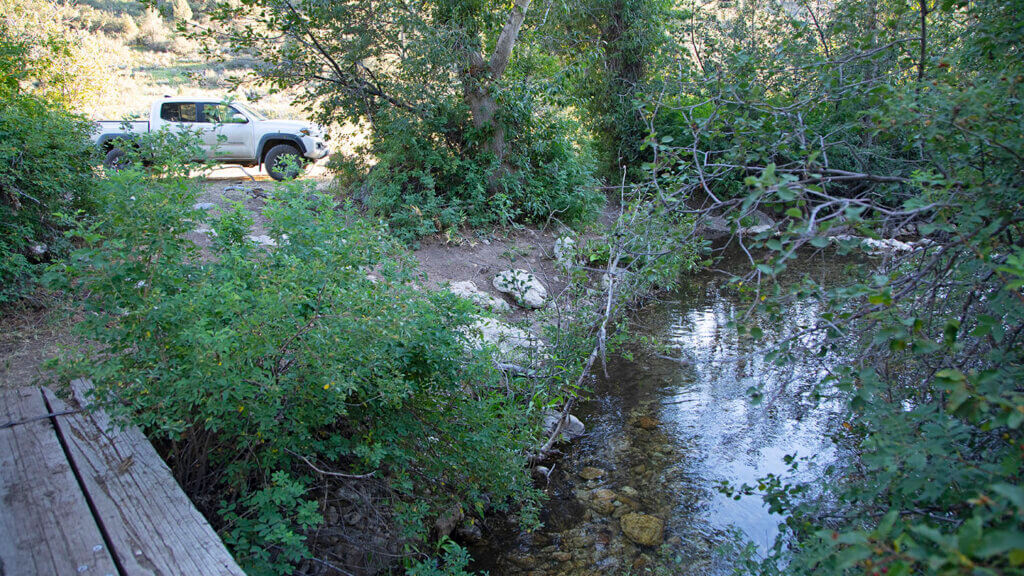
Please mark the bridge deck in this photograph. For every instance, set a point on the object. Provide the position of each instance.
(78, 496)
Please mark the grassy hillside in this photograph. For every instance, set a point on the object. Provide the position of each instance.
(123, 54)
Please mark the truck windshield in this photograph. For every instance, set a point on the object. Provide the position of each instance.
(248, 110)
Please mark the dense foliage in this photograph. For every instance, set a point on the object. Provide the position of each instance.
(457, 134)
(271, 375)
(45, 171)
(851, 122)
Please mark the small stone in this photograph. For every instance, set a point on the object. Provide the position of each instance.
(562, 556)
(591, 473)
(524, 561)
(628, 490)
(470, 532)
(204, 206)
(447, 521)
(603, 501)
(540, 472)
(565, 250)
(647, 423)
(643, 529)
(628, 503)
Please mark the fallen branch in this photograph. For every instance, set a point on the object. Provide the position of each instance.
(328, 473)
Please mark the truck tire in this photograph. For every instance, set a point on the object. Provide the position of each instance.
(275, 159)
(116, 159)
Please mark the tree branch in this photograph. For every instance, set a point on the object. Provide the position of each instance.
(507, 39)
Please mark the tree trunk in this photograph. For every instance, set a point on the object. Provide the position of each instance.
(483, 75)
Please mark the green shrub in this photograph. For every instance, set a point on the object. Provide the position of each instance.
(45, 173)
(254, 362)
(430, 177)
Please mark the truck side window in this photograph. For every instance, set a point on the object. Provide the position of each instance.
(222, 114)
(178, 112)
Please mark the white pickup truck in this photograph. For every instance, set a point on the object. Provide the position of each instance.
(231, 133)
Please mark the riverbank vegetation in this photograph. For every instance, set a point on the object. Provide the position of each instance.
(851, 125)
(311, 381)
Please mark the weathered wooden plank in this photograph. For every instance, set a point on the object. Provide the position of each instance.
(152, 526)
(46, 526)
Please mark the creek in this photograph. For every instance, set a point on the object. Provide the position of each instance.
(671, 421)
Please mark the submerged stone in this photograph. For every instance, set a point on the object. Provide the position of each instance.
(643, 529)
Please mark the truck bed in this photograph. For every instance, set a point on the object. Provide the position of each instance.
(119, 127)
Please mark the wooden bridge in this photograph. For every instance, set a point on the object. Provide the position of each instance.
(80, 498)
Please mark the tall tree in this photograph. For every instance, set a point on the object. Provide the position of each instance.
(458, 139)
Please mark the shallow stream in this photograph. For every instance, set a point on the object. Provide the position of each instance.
(665, 429)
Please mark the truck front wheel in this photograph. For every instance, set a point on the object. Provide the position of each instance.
(284, 161)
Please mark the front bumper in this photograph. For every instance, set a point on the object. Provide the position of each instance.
(316, 148)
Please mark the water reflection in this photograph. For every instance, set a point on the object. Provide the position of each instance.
(665, 429)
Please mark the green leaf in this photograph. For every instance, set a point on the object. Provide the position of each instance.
(1015, 494)
(794, 213)
(1000, 542)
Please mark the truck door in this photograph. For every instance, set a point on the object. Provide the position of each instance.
(180, 117)
(227, 133)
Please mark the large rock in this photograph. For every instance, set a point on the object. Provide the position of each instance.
(643, 529)
(573, 428)
(523, 286)
(511, 344)
(262, 240)
(467, 289)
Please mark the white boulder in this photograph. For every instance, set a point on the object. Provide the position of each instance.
(467, 289)
(875, 246)
(262, 240)
(523, 286)
(573, 427)
(511, 344)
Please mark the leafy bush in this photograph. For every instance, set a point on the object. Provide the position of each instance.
(45, 173)
(260, 366)
(430, 177)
